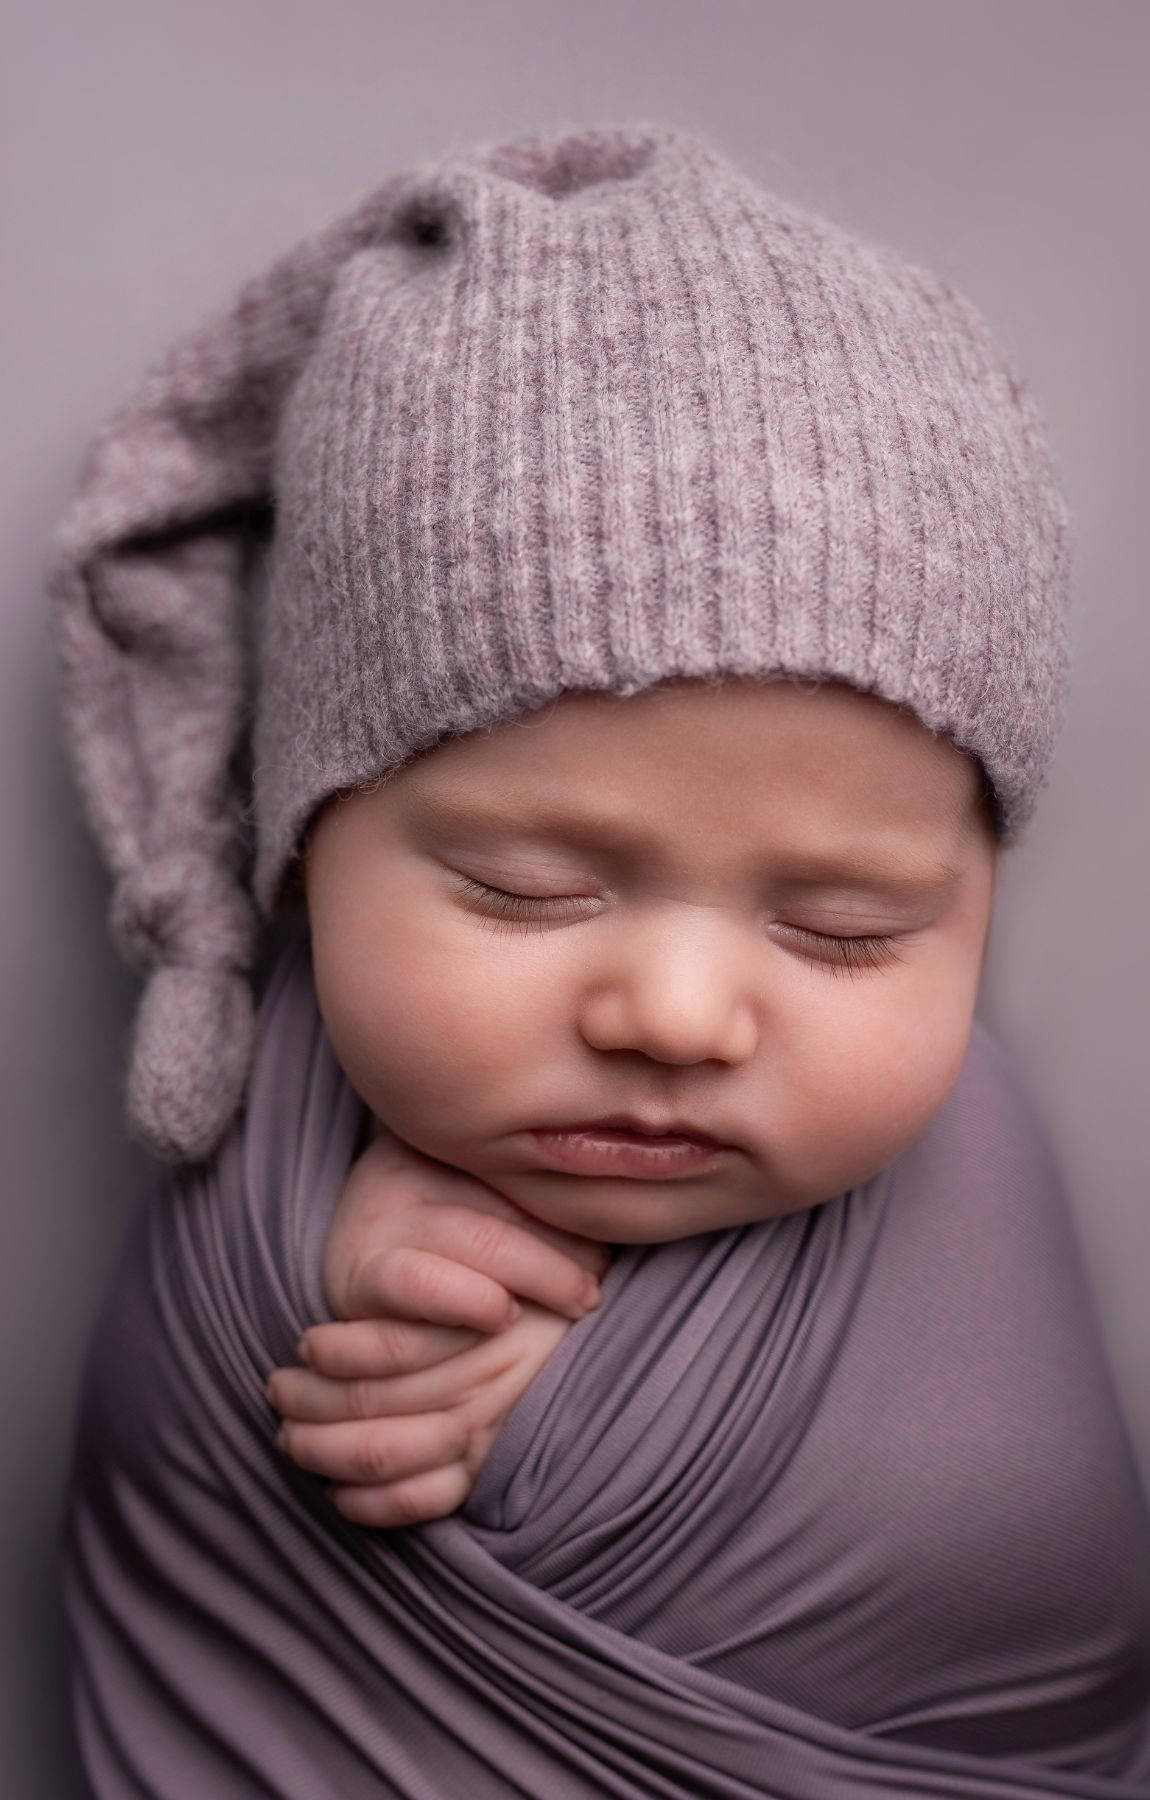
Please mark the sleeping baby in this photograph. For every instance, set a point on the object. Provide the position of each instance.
(663, 639)
(755, 912)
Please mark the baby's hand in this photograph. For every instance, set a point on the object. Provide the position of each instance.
(400, 1409)
(412, 1238)
(402, 1447)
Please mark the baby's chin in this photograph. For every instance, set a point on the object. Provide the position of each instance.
(611, 1210)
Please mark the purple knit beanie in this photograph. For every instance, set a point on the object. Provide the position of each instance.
(577, 412)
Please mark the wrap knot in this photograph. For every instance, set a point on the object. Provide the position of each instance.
(183, 910)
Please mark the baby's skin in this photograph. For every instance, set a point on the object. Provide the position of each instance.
(448, 1300)
(759, 910)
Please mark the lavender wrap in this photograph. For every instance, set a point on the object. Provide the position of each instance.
(838, 1505)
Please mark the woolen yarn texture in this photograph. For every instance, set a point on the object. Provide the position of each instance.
(583, 411)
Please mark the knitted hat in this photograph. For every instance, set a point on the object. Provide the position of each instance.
(577, 412)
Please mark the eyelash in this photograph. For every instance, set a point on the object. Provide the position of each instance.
(852, 954)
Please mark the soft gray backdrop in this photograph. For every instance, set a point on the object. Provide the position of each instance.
(155, 153)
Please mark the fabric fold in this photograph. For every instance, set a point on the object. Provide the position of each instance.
(838, 1505)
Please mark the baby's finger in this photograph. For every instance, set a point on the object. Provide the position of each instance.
(589, 1253)
(377, 1450)
(352, 1349)
(420, 1284)
(520, 1260)
(429, 1496)
(301, 1394)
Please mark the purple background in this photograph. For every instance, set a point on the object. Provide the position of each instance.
(155, 154)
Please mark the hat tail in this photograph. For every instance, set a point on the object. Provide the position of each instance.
(147, 586)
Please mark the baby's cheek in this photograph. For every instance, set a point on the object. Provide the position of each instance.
(396, 1046)
(877, 1101)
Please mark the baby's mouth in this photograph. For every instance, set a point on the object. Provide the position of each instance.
(593, 1149)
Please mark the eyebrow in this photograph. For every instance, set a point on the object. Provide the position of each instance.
(852, 865)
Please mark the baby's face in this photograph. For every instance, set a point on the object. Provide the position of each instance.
(688, 862)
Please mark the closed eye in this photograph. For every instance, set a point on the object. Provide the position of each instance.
(849, 955)
(525, 910)
(828, 950)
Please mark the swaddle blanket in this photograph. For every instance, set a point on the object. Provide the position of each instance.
(840, 1504)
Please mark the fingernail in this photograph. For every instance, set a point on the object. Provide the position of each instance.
(303, 1350)
(590, 1296)
(281, 1438)
(514, 1311)
(268, 1392)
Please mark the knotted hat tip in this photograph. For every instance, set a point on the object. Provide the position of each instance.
(191, 1051)
(184, 919)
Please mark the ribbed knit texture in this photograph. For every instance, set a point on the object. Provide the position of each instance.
(584, 411)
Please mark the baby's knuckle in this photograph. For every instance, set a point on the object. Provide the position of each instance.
(395, 1344)
(427, 1281)
(487, 1237)
(372, 1458)
(362, 1399)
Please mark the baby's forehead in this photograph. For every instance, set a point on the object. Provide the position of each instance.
(813, 762)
